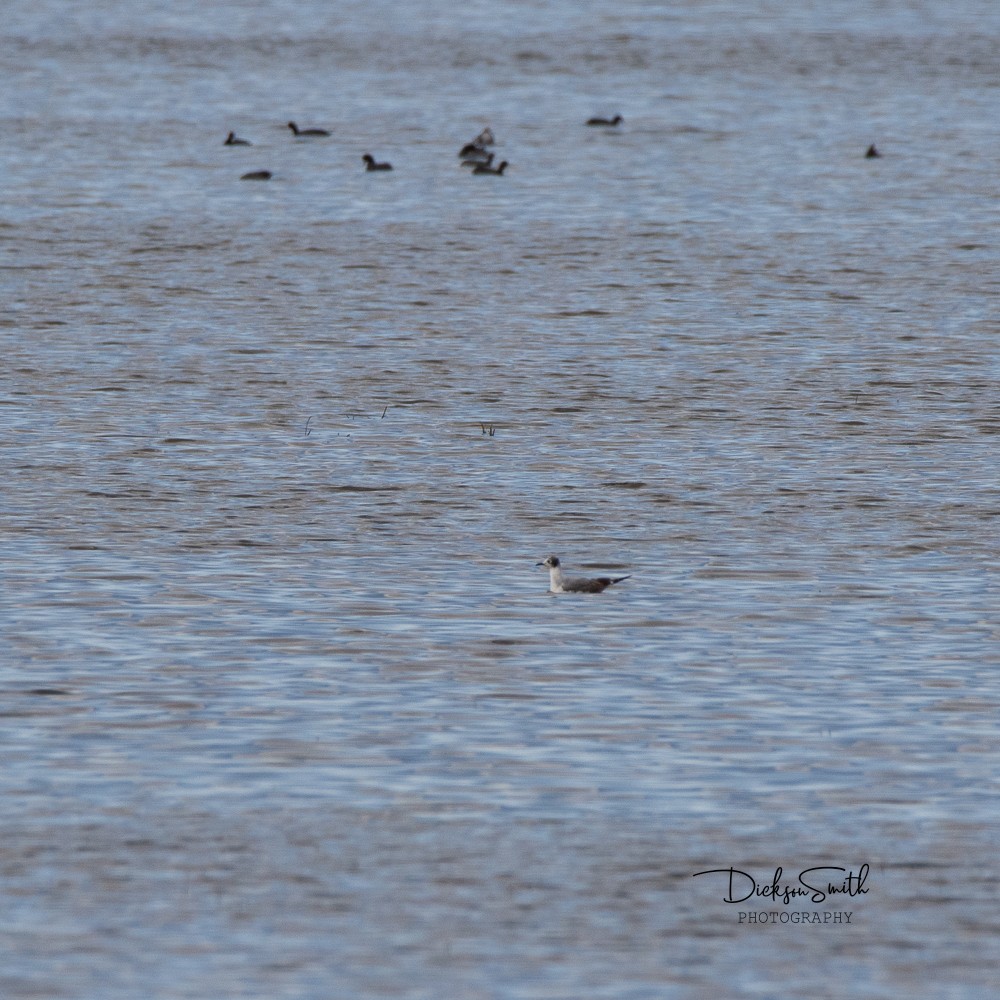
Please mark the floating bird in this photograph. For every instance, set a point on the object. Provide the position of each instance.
(617, 120)
(231, 140)
(479, 144)
(306, 132)
(484, 159)
(372, 164)
(558, 584)
(485, 168)
(256, 175)
(872, 153)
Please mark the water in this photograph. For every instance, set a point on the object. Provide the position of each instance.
(287, 711)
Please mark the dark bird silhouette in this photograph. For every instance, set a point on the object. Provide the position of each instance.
(372, 164)
(231, 140)
(307, 132)
(256, 175)
(617, 120)
(485, 168)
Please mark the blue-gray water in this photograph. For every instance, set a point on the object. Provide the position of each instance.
(286, 709)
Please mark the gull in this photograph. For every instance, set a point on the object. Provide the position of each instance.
(484, 139)
(558, 584)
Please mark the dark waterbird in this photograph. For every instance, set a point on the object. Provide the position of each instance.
(372, 164)
(609, 122)
(485, 168)
(307, 132)
(231, 140)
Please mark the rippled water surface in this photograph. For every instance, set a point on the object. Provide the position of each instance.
(286, 708)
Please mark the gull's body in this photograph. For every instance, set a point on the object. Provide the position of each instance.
(559, 584)
(477, 158)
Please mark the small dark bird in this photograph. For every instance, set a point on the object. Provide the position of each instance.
(617, 120)
(231, 140)
(373, 164)
(485, 168)
(256, 175)
(558, 584)
(305, 132)
(872, 153)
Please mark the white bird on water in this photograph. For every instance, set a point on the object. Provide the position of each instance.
(559, 584)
